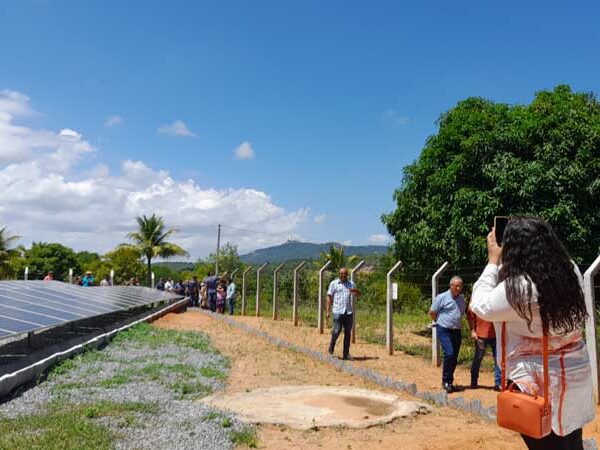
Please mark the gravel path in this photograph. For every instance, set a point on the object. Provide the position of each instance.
(168, 378)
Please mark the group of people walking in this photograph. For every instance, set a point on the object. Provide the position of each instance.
(214, 293)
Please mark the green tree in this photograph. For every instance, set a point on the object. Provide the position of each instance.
(43, 257)
(150, 240)
(338, 258)
(229, 259)
(7, 251)
(125, 261)
(492, 159)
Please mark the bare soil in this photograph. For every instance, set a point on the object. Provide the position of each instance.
(256, 363)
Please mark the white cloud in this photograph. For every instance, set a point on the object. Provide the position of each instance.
(52, 190)
(244, 151)
(113, 120)
(177, 128)
(379, 239)
(346, 242)
(320, 218)
(394, 117)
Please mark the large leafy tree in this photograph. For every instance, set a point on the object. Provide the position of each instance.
(150, 240)
(229, 259)
(495, 159)
(7, 251)
(43, 257)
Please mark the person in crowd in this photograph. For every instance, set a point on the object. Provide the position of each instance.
(105, 281)
(231, 294)
(169, 284)
(483, 335)
(49, 276)
(538, 290)
(88, 279)
(161, 284)
(78, 280)
(446, 311)
(339, 295)
(203, 296)
(221, 296)
(136, 281)
(178, 288)
(193, 291)
(211, 290)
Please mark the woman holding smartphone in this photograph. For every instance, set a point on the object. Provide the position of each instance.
(538, 289)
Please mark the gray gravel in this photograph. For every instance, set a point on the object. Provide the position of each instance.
(179, 423)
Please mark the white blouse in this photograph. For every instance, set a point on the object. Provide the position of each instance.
(570, 389)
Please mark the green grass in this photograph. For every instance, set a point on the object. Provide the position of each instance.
(68, 427)
(212, 372)
(147, 335)
(246, 437)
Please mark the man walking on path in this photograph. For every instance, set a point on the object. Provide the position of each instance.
(340, 295)
(447, 310)
(484, 334)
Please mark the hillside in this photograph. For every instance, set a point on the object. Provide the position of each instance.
(291, 250)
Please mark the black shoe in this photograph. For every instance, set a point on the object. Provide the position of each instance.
(330, 352)
(498, 388)
(348, 358)
(448, 387)
(474, 385)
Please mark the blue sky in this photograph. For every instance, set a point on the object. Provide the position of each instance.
(333, 98)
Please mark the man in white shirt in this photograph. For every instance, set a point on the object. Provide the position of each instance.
(340, 295)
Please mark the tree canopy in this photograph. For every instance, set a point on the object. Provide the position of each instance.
(43, 257)
(492, 159)
(150, 240)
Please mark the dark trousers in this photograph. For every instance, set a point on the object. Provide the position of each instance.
(450, 341)
(480, 346)
(339, 321)
(573, 441)
(212, 301)
(231, 305)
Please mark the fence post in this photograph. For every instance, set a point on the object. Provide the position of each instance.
(152, 280)
(26, 276)
(435, 345)
(590, 324)
(244, 290)
(295, 308)
(71, 275)
(320, 297)
(389, 322)
(112, 277)
(352, 272)
(232, 276)
(275, 306)
(258, 288)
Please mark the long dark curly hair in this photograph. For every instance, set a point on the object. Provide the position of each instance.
(532, 250)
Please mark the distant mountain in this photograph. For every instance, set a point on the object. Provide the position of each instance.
(291, 250)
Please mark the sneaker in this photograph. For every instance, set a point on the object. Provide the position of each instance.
(448, 388)
(348, 358)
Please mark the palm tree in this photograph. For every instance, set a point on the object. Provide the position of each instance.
(151, 240)
(6, 250)
(337, 257)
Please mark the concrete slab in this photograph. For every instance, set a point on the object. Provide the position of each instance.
(306, 407)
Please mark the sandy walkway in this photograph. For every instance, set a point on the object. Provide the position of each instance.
(256, 363)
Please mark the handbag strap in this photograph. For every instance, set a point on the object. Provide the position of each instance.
(544, 357)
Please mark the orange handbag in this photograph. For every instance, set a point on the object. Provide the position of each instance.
(518, 411)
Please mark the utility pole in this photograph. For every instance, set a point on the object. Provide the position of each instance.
(218, 249)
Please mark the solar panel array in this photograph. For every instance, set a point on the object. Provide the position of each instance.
(33, 305)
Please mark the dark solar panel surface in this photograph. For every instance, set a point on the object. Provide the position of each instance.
(33, 305)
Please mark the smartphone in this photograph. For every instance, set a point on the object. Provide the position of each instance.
(500, 223)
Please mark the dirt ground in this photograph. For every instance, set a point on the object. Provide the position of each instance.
(256, 363)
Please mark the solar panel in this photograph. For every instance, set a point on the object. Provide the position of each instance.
(27, 306)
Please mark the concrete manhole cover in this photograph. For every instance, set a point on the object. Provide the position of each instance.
(304, 407)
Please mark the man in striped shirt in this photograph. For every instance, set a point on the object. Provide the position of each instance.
(340, 295)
